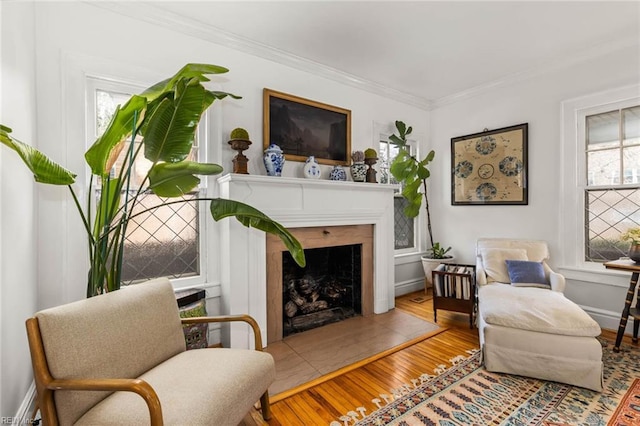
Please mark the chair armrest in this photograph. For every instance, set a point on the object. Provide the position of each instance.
(231, 318)
(557, 282)
(481, 276)
(138, 386)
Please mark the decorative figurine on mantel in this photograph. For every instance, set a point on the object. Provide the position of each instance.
(358, 169)
(337, 173)
(273, 160)
(371, 158)
(311, 168)
(239, 141)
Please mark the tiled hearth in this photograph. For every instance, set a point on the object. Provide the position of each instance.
(296, 203)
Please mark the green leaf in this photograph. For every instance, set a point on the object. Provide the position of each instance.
(412, 210)
(44, 170)
(401, 128)
(189, 71)
(120, 128)
(170, 131)
(396, 140)
(176, 179)
(403, 166)
(251, 217)
(108, 205)
(221, 95)
(430, 157)
(423, 172)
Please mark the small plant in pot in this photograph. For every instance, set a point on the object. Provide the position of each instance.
(413, 173)
(633, 235)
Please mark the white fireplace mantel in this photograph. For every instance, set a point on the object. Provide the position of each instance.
(295, 203)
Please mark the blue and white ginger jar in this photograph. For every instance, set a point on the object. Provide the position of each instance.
(311, 168)
(273, 160)
(338, 173)
(359, 171)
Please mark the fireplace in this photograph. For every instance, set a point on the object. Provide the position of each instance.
(309, 208)
(320, 243)
(327, 290)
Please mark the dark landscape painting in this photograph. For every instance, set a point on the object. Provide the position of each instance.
(303, 129)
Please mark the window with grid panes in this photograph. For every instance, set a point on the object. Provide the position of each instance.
(612, 191)
(404, 227)
(164, 242)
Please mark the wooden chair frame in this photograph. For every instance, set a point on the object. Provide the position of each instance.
(46, 384)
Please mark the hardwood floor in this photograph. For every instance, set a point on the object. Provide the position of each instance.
(329, 400)
(326, 402)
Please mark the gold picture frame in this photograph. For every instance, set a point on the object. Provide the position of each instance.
(302, 127)
(490, 167)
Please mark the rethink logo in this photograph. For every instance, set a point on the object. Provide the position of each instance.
(16, 421)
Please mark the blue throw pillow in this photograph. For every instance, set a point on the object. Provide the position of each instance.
(524, 273)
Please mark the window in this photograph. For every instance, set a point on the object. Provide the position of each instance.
(612, 187)
(404, 227)
(164, 241)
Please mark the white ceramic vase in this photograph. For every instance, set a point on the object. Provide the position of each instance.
(311, 168)
(429, 264)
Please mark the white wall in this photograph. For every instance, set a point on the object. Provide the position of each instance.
(536, 101)
(18, 262)
(76, 39)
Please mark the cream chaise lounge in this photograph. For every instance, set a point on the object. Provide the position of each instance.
(530, 328)
(121, 359)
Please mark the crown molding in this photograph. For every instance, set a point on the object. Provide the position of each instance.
(151, 13)
(545, 68)
(148, 12)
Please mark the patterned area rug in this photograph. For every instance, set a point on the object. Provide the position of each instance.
(466, 394)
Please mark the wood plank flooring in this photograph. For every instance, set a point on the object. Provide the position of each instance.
(328, 401)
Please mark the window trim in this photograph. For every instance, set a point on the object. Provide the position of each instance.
(93, 83)
(574, 173)
(383, 136)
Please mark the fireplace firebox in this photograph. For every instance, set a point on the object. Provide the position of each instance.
(337, 282)
(327, 290)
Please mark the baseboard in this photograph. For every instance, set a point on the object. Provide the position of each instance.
(609, 320)
(26, 409)
(409, 286)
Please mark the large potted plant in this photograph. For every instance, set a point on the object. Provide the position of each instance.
(166, 116)
(413, 173)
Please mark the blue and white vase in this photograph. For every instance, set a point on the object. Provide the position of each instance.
(273, 160)
(358, 171)
(311, 168)
(338, 173)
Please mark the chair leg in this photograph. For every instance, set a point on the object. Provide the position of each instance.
(265, 407)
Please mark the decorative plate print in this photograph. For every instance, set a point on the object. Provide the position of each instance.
(463, 169)
(486, 191)
(486, 145)
(485, 171)
(510, 166)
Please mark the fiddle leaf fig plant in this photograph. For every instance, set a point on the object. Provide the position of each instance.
(413, 173)
(165, 116)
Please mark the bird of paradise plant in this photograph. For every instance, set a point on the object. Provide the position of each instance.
(166, 116)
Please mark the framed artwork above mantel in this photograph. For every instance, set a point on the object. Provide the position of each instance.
(302, 127)
(490, 167)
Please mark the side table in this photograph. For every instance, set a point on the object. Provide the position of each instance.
(634, 268)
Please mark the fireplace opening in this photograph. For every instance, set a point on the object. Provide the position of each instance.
(327, 290)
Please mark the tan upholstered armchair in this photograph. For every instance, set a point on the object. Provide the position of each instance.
(121, 358)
